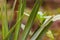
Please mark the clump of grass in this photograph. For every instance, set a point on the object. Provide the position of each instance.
(22, 4)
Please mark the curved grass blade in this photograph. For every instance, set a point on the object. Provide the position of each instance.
(42, 29)
(30, 20)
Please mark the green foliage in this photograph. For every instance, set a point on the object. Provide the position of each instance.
(16, 28)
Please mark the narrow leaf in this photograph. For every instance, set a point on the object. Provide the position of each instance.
(30, 20)
(19, 15)
(15, 1)
(4, 20)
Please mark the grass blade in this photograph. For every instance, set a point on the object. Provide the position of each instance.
(30, 20)
(41, 30)
(20, 13)
(14, 5)
(23, 7)
(4, 20)
(15, 37)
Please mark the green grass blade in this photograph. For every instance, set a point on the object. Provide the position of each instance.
(41, 30)
(15, 37)
(30, 20)
(4, 19)
(20, 13)
(23, 7)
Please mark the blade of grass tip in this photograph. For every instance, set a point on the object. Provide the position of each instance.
(30, 20)
(41, 29)
(15, 1)
(20, 13)
(12, 29)
(4, 20)
(14, 5)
